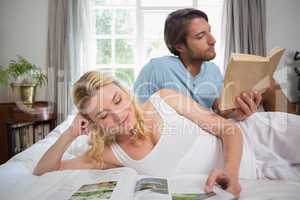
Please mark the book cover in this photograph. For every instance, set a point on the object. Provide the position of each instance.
(246, 73)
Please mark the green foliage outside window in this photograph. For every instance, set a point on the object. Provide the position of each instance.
(103, 22)
(104, 51)
(124, 52)
(124, 21)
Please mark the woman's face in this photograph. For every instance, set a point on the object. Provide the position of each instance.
(111, 108)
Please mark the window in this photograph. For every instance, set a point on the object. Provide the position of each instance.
(130, 32)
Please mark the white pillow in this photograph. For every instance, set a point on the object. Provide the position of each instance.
(33, 154)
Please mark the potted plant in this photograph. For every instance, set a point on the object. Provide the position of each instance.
(23, 77)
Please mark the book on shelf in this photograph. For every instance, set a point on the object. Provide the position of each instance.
(38, 131)
(247, 73)
(46, 129)
(124, 183)
(41, 131)
(17, 147)
(21, 135)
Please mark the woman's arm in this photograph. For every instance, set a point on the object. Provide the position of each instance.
(52, 159)
(227, 131)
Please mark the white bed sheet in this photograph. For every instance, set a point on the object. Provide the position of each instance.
(17, 181)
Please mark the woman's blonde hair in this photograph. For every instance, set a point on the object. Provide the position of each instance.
(83, 90)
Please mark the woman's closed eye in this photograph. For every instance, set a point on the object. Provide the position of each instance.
(102, 115)
(118, 99)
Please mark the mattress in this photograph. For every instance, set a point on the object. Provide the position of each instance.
(17, 181)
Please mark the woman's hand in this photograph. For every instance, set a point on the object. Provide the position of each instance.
(52, 159)
(227, 180)
(79, 126)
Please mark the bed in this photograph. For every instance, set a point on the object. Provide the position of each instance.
(17, 181)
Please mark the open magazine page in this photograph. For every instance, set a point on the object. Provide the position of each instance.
(183, 187)
(150, 188)
(191, 187)
(111, 184)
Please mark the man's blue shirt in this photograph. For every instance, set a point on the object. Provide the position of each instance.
(169, 72)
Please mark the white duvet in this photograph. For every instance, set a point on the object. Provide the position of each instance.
(17, 181)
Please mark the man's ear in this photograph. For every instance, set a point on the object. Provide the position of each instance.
(180, 47)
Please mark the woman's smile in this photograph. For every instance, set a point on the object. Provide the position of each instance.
(125, 120)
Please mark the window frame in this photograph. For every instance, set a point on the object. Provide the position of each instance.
(139, 35)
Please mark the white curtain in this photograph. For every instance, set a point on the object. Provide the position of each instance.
(70, 50)
(243, 28)
(82, 33)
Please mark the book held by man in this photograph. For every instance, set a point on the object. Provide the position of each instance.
(246, 73)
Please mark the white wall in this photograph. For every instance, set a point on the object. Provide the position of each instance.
(23, 31)
(283, 25)
(283, 30)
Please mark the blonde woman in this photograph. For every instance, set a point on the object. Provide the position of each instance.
(169, 134)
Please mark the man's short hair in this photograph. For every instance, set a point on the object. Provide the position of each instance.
(176, 26)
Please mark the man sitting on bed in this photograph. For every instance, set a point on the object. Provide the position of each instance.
(188, 36)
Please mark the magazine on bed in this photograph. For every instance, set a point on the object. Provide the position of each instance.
(126, 184)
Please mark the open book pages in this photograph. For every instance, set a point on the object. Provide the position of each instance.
(126, 184)
(246, 73)
(78, 184)
(181, 187)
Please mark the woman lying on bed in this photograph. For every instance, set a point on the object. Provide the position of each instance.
(171, 134)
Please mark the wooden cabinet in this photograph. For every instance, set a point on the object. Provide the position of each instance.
(21, 126)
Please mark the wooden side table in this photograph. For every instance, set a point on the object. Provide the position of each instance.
(19, 123)
(40, 111)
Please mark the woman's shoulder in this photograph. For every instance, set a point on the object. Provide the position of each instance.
(163, 93)
(166, 95)
(149, 110)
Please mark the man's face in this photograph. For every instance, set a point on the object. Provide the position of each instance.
(199, 41)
